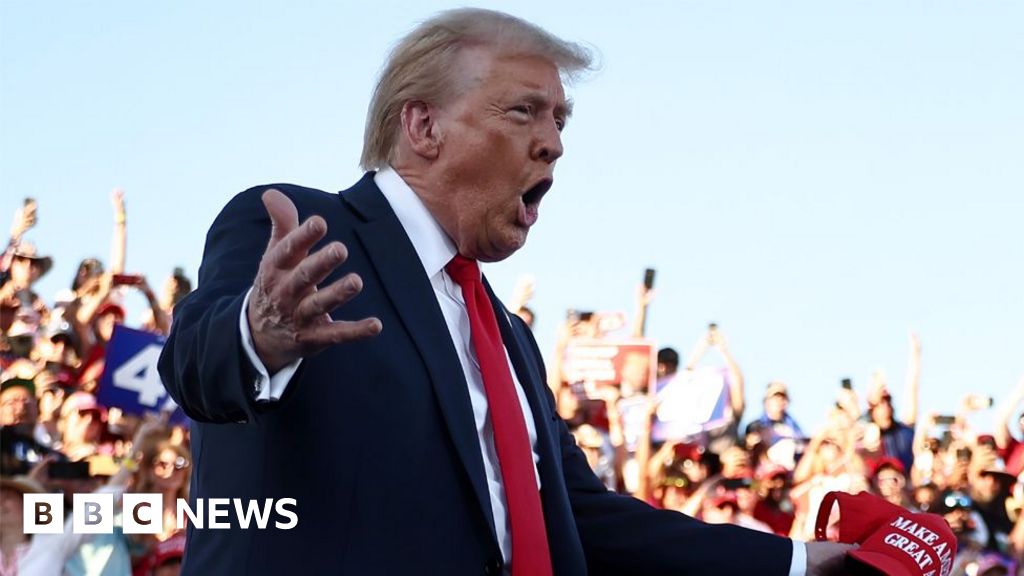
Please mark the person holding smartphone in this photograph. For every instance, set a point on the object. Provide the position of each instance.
(896, 437)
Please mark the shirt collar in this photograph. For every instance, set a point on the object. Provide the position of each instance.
(433, 246)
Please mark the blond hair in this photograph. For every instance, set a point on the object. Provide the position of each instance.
(423, 66)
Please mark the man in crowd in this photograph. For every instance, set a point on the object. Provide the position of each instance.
(668, 362)
(413, 423)
(22, 311)
(18, 408)
(774, 507)
(775, 424)
(889, 480)
(18, 415)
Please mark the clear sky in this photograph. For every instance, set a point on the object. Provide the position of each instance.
(816, 177)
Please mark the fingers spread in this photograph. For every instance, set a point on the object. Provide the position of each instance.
(283, 216)
(290, 250)
(326, 300)
(311, 271)
(339, 332)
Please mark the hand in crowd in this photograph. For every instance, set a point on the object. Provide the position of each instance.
(644, 295)
(24, 219)
(523, 292)
(117, 201)
(915, 343)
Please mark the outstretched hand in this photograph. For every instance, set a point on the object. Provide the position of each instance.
(827, 558)
(288, 316)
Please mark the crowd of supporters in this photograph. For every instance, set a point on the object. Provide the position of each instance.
(765, 472)
(56, 436)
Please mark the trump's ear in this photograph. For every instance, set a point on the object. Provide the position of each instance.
(420, 130)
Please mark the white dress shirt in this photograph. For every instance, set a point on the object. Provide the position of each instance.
(435, 249)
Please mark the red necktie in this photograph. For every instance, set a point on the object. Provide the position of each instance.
(530, 555)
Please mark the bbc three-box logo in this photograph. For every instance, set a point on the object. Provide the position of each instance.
(143, 513)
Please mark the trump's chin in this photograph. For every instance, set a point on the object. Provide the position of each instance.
(498, 247)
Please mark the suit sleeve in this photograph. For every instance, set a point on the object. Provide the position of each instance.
(203, 364)
(623, 535)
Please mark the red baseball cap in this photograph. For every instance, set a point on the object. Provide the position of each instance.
(111, 308)
(887, 462)
(688, 451)
(893, 540)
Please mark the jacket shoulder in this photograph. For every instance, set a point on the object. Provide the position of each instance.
(248, 204)
(300, 195)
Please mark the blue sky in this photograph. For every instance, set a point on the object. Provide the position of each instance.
(817, 177)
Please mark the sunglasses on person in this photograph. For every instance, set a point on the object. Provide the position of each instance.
(957, 501)
(179, 463)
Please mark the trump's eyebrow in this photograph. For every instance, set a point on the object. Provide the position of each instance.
(565, 109)
(561, 109)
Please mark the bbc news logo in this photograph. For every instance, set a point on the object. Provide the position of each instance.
(143, 513)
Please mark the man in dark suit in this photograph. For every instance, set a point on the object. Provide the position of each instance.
(412, 423)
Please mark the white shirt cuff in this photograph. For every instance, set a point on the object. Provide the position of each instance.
(267, 388)
(798, 566)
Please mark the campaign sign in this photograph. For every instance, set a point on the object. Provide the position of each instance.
(691, 402)
(130, 379)
(596, 362)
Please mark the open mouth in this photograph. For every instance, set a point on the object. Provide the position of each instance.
(528, 210)
(532, 196)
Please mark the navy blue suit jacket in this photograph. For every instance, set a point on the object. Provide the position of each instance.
(376, 440)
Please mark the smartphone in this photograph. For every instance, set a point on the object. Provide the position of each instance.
(585, 316)
(945, 420)
(127, 279)
(29, 201)
(68, 470)
(963, 454)
(713, 326)
(846, 384)
(649, 278)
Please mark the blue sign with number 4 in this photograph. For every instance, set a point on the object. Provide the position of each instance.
(130, 379)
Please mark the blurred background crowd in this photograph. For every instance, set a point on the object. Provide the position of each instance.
(757, 467)
(56, 436)
(753, 466)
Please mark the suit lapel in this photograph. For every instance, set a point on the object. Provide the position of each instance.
(531, 379)
(526, 370)
(393, 257)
